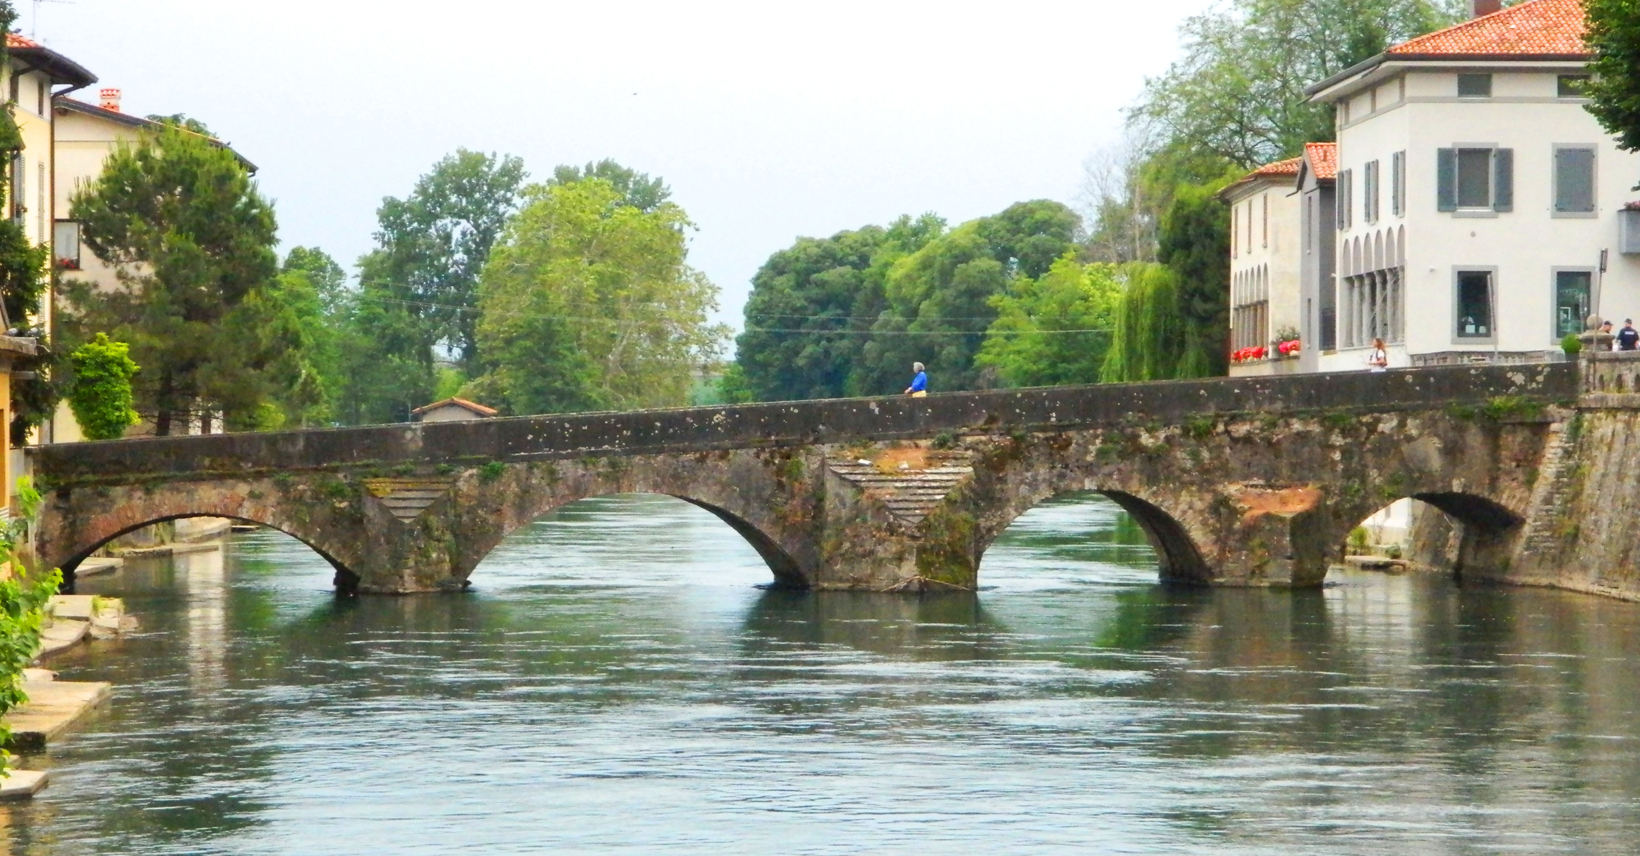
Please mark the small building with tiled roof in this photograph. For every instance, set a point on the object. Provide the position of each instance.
(1481, 212)
(452, 410)
(1264, 260)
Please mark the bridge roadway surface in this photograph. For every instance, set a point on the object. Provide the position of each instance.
(1237, 481)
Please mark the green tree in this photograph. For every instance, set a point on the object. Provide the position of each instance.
(1055, 329)
(1195, 245)
(1238, 92)
(101, 393)
(191, 240)
(423, 276)
(590, 303)
(938, 299)
(1145, 344)
(637, 189)
(1613, 35)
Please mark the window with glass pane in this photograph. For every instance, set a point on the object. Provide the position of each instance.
(1474, 309)
(1571, 85)
(1474, 178)
(1574, 180)
(1474, 86)
(1571, 301)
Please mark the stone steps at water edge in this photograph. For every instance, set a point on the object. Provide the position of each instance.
(911, 492)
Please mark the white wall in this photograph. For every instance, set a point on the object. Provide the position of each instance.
(1524, 245)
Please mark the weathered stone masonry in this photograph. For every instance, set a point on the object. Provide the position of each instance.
(1247, 481)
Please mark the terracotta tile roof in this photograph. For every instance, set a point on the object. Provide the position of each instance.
(1548, 27)
(15, 41)
(457, 402)
(1323, 158)
(1278, 169)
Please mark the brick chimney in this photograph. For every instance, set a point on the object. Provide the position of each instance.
(1485, 7)
(111, 97)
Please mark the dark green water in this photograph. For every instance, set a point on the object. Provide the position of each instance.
(617, 684)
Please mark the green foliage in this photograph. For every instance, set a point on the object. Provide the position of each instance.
(590, 303)
(939, 297)
(24, 596)
(1512, 407)
(944, 440)
(191, 239)
(1146, 342)
(101, 394)
(812, 307)
(421, 282)
(1238, 92)
(1195, 244)
(1201, 427)
(1360, 538)
(637, 189)
(1613, 36)
(491, 471)
(1056, 329)
(1571, 344)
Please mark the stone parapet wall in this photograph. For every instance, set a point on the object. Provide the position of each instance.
(795, 423)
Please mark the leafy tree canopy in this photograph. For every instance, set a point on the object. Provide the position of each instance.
(636, 189)
(1614, 36)
(1238, 92)
(191, 240)
(1055, 329)
(590, 303)
(431, 246)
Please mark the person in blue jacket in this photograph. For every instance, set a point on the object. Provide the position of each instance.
(919, 384)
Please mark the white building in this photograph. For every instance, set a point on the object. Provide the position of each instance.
(1479, 205)
(1264, 262)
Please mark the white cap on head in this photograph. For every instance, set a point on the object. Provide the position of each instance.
(916, 367)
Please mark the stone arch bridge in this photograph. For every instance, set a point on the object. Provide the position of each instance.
(1236, 481)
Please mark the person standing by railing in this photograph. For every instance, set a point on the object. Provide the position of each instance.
(919, 384)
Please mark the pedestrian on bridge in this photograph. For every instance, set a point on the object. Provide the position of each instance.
(919, 384)
(1378, 360)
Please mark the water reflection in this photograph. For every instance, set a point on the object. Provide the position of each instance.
(617, 683)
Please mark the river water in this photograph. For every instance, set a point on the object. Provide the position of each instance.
(617, 683)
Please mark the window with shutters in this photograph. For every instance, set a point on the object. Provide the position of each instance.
(1475, 179)
(1472, 304)
(1574, 190)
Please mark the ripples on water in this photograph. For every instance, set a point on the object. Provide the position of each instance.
(617, 684)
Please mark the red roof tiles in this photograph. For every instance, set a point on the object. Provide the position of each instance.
(1323, 158)
(15, 41)
(1277, 169)
(463, 403)
(1536, 27)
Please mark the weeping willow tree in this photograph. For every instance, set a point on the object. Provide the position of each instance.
(1148, 341)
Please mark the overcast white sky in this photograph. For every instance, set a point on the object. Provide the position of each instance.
(769, 120)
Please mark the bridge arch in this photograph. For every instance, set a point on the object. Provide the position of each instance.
(1486, 528)
(1178, 555)
(71, 533)
(763, 496)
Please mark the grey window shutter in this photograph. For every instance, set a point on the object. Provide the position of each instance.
(1503, 180)
(1396, 170)
(1446, 179)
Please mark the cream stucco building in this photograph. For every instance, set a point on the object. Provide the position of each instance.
(1479, 204)
(32, 77)
(1264, 262)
